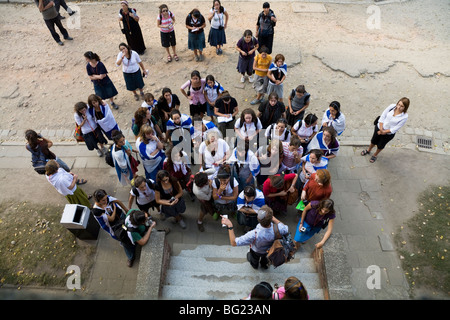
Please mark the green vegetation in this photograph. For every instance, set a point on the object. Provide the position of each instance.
(36, 249)
(424, 245)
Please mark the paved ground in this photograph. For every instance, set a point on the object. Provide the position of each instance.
(371, 204)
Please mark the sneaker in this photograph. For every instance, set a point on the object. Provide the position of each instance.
(217, 51)
(243, 79)
(130, 263)
(99, 153)
(182, 224)
(136, 97)
(197, 58)
(72, 13)
(68, 38)
(201, 57)
(256, 101)
(220, 51)
(250, 79)
(200, 226)
(115, 106)
(60, 43)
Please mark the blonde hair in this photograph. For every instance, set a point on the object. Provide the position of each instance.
(145, 129)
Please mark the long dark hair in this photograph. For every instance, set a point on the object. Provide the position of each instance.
(173, 181)
(32, 138)
(91, 55)
(250, 112)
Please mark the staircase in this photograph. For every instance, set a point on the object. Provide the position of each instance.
(209, 272)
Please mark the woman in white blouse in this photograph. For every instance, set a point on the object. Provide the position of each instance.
(151, 151)
(213, 152)
(131, 62)
(386, 125)
(333, 117)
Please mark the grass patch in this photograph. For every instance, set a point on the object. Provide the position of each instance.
(36, 249)
(424, 244)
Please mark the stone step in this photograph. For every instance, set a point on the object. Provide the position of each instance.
(235, 265)
(216, 251)
(178, 292)
(224, 280)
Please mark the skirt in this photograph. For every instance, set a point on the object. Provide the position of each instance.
(307, 234)
(93, 138)
(245, 65)
(105, 91)
(175, 210)
(217, 37)
(79, 197)
(196, 41)
(134, 80)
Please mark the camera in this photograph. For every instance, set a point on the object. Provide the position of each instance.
(148, 222)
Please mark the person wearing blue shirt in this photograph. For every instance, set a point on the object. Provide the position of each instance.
(260, 239)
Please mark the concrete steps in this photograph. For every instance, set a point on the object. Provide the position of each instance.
(209, 272)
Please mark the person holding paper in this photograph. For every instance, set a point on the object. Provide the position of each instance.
(226, 108)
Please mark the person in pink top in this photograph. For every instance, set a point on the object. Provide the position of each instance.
(165, 22)
(197, 100)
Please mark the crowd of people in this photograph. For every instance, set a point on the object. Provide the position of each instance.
(251, 163)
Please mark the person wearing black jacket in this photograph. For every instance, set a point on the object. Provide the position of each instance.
(265, 27)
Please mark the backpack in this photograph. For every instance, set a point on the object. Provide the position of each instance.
(108, 157)
(283, 248)
(120, 231)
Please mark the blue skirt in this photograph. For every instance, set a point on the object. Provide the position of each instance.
(196, 41)
(216, 37)
(133, 81)
(105, 91)
(307, 234)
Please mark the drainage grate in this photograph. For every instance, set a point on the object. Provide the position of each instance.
(425, 142)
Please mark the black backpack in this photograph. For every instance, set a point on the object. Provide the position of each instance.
(283, 248)
(108, 157)
(120, 231)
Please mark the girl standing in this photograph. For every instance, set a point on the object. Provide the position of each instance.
(91, 132)
(98, 74)
(131, 28)
(195, 95)
(218, 17)
(102, 114)
(165, 22)
(151, 151)
(66, 184)
(169, 195)
(131, 62)
(246, 46)
(195, 23)
(121, 156)
(333, 117)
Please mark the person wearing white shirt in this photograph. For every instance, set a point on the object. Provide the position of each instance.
(213, 152)
(66, 184)
(247, 126)
(391, 120)
(333, 117)
(278, 131)
(131, 62)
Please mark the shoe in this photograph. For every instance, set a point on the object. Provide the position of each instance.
(256, 101)
(61, 17)
(115, 106)
(243, 79)
(217, 51)
(197, 58)
(250, 79)
(60, 43)
(200, 226)
(136, 97)
(72, 13)
(220, 51)
(192, 196)
(201, 58)
(182, 224)
(99, 153)
(68, 38)
(130, 263)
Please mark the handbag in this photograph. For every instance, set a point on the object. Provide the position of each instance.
(291, 197)
(77, 134)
